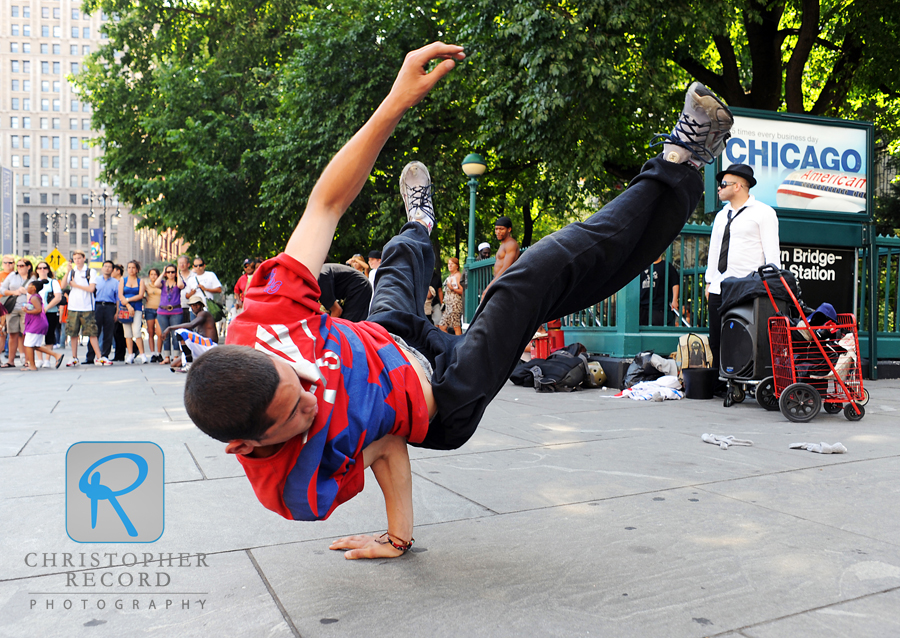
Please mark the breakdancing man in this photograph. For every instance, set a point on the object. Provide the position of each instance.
(307, 402)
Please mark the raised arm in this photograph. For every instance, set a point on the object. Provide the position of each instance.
(347, 172)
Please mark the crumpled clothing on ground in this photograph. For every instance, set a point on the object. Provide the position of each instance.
(724, 441)
(665, 388)
(820, 448)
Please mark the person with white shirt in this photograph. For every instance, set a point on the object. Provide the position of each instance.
(83, 282)
(744, 237)
(374, 263)
(202, 282)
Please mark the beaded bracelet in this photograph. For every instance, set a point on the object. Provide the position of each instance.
(403, 548)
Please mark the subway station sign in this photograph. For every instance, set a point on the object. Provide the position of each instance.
(824, 274)
(803, 165)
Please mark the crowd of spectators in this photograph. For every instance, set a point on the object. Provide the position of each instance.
(118, 313)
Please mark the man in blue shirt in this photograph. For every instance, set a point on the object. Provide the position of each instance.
(106, 303)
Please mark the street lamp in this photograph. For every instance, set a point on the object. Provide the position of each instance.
(55, 225)
(104, 197)
(473, 166)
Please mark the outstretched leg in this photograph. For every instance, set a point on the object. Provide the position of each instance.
(574, 268)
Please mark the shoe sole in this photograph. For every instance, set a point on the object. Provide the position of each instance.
(404, 173)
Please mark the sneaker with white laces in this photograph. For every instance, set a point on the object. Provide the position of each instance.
(129, 359)
(416, 191)
(702, 129)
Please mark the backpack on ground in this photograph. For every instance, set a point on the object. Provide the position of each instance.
(564, 370)
(693, 351)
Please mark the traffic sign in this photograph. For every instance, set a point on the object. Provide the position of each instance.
(56, 259)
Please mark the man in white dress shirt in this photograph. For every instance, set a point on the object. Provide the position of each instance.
(744, 237)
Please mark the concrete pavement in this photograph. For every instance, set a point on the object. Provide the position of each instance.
(566, 515)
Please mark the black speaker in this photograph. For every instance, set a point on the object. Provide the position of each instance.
(744, 352)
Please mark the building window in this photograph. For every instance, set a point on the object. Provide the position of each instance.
(85, 199)
(73, 67)
(73, 49)
(57, 31)
(15, 161)
(26, 198)
(75, 33)
(26, 122)
(26, 30)
(26, 85)
(45, 49)
(45, 141)
(15, 85)
(26, 179)
(13, 122)
(73, 199)
(26, 163)
(14, 29)
(45, 67)
(73, 163)
(26, 103)
(56, 49)
(14, 64)
(85, 49)
(45, 13)
(45, 161)
(26, 47)
(56, 141)
(45, 123)
(73, 229)
(73, 143)
(45, 86)
(55, 161)
(14, 141)
(43, 229)
(26, 218)
(73, 123)
(74, 106)
(56, 123)
(85, 125)
(85, 182)
(56, 86)
(13, 47)
(26, 12)
(56, 105)
(56, 13)
(84, 142)
(57, 68)
(26, 66)
(56, 183)
(75, 14)
(45, 31)
(45, 180)
(26, 141)
(85, 162)
(84, 230)
(73, 183)
(43, 198)
(14, 104)
(15, 11)
(86, 33)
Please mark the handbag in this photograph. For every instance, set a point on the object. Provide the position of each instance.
(10, 303)
(123, 316)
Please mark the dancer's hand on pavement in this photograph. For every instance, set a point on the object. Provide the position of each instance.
(365, 546)
(413, 81)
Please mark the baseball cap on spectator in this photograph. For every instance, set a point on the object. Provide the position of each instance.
(247, 262)
(375, 254)
(483, 245)
(195, 299)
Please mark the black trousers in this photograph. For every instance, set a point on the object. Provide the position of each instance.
(715, 327)
(105, 316)
(567, 271)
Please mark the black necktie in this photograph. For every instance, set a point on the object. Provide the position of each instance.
(726, 239)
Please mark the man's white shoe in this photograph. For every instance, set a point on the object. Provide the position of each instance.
(129, 358)
(144, 359)
(416, 191)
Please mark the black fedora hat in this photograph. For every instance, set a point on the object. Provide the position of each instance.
(741, 170)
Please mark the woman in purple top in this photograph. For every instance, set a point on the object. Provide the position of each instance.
(169, 311)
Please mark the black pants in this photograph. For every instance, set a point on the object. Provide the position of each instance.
(715, 327)
(105, 314)
(567, 271)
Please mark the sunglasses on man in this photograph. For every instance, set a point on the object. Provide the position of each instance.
(724, 184)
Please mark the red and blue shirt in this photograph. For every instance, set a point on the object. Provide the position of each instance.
(364, 385)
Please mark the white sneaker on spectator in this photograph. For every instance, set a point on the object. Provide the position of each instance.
(144, 359)
(105, 361)
(46, 364)
(129, 358)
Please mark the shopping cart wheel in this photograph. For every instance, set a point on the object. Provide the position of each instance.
(800, 402)
(865, 398)
(852, 414)
(833, 408)
(738, 394)
(765, 394)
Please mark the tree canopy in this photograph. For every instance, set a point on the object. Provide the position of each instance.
(218, 117)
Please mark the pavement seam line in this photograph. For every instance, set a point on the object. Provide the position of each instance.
(444, 487)
(799, 518)
(805, 611)
(284, 613)
(194, 458)
(26, 443)
(55, 405)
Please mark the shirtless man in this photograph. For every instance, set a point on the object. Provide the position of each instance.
(508, 252)
(196, 336)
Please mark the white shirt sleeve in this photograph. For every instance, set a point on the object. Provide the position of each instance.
(768, 234)
(715, 245)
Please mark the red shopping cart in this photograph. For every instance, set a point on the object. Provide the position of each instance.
(812, 366)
